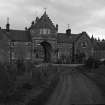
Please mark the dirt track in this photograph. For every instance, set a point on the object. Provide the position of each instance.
(75, 88)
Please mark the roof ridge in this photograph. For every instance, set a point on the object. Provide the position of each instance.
(14, 30)
(18, 35)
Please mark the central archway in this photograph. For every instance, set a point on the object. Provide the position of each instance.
(47, 51)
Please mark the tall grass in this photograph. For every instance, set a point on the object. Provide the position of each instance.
(19, 78)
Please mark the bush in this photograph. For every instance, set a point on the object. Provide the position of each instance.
(13, 84)
(92, 63)
(20, 67)
(27, 86)
(5, 83)
(8, 73)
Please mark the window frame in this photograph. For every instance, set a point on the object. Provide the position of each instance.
(45, 31)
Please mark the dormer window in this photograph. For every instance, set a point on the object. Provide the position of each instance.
(44, 31)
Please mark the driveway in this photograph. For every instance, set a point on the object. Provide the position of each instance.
(75, 88)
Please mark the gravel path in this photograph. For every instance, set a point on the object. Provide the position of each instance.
(75, 88)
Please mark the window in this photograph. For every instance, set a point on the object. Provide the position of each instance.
(48, 31)
(12, 44)
(13, 55)
(44, 31)
(84, 44)
(41, 31)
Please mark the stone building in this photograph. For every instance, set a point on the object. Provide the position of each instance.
(44, 38)
(42, 42)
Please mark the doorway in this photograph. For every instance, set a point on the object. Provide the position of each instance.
(47, 51)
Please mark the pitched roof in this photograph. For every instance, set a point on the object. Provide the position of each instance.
(43, 22)
(64, 38)
(18, 35)
(101, 45)
(3, 42)
(97, 45)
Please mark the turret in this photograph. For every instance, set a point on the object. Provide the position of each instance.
(32, 23)
(57, 27)
(37, 19)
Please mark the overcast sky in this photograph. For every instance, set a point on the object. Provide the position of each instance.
(82, 15)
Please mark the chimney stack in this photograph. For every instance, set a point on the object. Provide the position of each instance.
(8, 25)
(84, 33)
(68, 31)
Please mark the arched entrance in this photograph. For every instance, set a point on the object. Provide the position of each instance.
(47, 51)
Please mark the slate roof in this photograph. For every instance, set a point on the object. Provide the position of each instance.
(98, 45)
(18, 35)
(64, 38)
(101, 45)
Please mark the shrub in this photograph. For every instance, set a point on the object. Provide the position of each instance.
(103, 62)
(20, 67)
(27, 86)
(92, 63)
(5, 83)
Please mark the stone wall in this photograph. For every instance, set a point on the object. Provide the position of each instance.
(20, 50)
